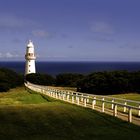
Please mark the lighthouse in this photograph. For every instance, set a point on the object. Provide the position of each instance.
(30, 58)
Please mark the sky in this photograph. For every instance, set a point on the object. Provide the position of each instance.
(70, 30)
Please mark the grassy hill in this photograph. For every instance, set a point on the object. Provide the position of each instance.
(30, 116)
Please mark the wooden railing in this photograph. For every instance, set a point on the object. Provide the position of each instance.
(101, 103)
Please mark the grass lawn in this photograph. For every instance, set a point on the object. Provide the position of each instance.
(30, 116)
(129, 96)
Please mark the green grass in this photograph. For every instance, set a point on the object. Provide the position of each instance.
(129, 96)
(20, 96)
(30, 116)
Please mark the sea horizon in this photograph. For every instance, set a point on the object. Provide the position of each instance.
(82, 67)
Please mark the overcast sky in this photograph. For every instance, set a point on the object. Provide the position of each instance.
(71, 30)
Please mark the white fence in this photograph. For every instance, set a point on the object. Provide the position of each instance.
(102, 103)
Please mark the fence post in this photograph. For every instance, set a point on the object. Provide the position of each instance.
(112, 105)
(85, 102)
(87, 99)
(93, 103)
(72, 99)
(56, 94)
(76, 97)
(63, 96)
(115, 110)
(82, 98)
(48, 92)
(103, 105)
(43, 91)
(77, 100)
(60, 95)
(52, 93)
(130, 115)
(71, 93)
(68, 97)
(139, 111)
(94, 100)
(124, 109)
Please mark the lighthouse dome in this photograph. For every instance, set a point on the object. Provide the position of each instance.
(30, 44)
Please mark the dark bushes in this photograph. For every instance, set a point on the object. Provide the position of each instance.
(110, 82)
(95, 83)
(9, 79)
(40, 79)
(68, 79)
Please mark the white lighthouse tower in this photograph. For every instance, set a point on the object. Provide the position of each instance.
(30, 59)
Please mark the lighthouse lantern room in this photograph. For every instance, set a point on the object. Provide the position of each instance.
(30, 59)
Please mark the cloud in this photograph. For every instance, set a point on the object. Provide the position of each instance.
(0, 55)
(64, 36)
(101, 32)
(8, 22)
(16, 40)
(131, 45)
(101, 27)
(10, 55)
(101, 38)
(40, 33)
(70, 46)
(56, 56)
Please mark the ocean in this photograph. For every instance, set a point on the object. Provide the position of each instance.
(55, 68)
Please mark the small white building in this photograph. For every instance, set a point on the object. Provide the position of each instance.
(30, 59)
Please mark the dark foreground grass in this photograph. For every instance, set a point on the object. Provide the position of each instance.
(55, 120)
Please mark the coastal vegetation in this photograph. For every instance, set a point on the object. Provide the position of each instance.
(9, 79)
(113, 82)
(32, 116)
(105, 83)
(41, 79)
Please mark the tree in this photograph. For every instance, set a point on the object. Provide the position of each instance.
(68, 79)
(40, 79)
(110, 82)
(9, 79)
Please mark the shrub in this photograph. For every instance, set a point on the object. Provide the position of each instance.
(40, 79)
(110, 82)
(68, 79)
(9, 79)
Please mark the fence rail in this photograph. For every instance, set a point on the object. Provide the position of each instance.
(105, 104)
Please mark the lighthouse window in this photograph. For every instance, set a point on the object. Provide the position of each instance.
(29, 65)
(30, 54)
(29, 70)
